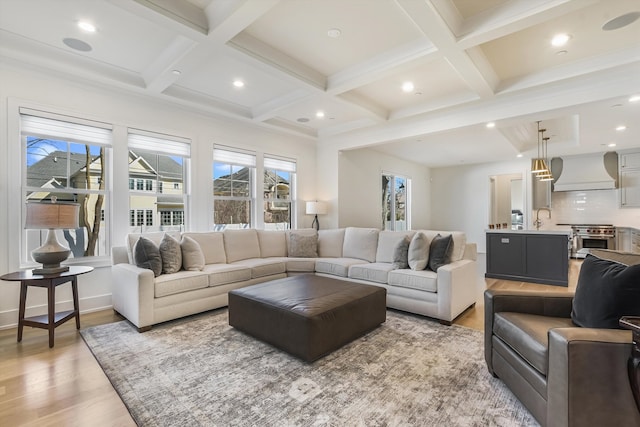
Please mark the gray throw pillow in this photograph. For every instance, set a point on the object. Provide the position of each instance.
(147, 255)
(418, 255)
(440, 251)
(171, 254)
(192, 256)
(303, 245)
(401, 253)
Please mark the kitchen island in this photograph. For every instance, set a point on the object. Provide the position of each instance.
(537, 256)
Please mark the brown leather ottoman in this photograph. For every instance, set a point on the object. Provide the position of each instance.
(308, 316)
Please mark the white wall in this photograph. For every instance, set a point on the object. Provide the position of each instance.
(460, 196)
(21, 86)
(359, 181)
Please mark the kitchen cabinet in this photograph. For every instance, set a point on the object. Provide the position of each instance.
(623, 239)
(629, 169)
(635, 240)
(537, 257)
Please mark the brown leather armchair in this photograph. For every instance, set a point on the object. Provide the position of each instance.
(565, 375)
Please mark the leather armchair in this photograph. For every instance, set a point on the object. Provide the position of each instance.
(564, 374)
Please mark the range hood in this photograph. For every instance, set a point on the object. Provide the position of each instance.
(586, 172)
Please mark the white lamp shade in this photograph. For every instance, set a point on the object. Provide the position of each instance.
(52, 215)
(316, 208)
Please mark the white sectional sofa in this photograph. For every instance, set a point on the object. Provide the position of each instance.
(237, 258)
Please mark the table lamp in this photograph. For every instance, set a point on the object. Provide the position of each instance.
(316, 208)
(51, 215)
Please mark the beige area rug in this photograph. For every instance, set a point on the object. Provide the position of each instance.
(199, 371)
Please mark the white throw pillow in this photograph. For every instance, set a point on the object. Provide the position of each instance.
(419, 251)
(192, 256)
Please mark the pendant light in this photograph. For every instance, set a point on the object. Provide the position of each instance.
(539, 164)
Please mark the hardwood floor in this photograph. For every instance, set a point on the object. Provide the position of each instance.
(65, 386)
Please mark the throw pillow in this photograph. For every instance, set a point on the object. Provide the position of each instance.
(171, 254)
(192, 256)
(606, 291)
(418, 255)
(401, 253)
(303, 245)
(147, 255)
(440, 251)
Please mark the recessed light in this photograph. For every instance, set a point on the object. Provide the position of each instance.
(560, 39)
(320, 114)
(176, 72)
(519, 155)
(334, 33)
(634, 98)
(613, 144)
(491, 125)
(407, 87)
(621, 128)
(87, 26)
(621, 21)
(238, 83)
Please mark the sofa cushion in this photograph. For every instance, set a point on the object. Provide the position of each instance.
(360, 243)
(387, 243)
(223, 274)
(401, 253)
(171, 255)
(336, 266)
(606, 291)
(212, 245)
(182, 281)
(374, 272)
(192, 256)
(440, 251)
(261, 267)
(418, 254)
(330, 243)
(422, 280)
(155, 237)
(146, 254)
(300, 265)
(273, 243)
(303, 245)
(527, 335)
(459, 242)
(241, 244)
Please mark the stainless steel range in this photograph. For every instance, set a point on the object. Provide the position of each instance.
(592, 236)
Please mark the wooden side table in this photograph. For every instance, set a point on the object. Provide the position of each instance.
(633, 323)
(49, 281)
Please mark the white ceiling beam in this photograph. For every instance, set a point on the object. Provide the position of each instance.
(228, 18)
(158, 75)
(183, 12)
(270, 108)
(511, 17)
(431, 23)
(379, 66)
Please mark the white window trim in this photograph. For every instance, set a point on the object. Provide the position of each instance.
(408, 199)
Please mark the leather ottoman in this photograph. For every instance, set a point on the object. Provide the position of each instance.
(308, 316)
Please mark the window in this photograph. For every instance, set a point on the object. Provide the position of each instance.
(395, 202)
(156, 160)
(66, 158)
(278, 192)
(233, 188)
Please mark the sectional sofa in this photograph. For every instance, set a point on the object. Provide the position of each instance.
(237, 258)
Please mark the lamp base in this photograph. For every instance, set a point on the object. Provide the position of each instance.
(50, 270)
(316, 224)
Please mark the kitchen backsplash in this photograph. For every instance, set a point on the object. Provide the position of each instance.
(590, 207)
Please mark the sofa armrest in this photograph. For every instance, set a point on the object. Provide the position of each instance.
(588, 383)
(457, 288)
(531, 302)
(132, 293)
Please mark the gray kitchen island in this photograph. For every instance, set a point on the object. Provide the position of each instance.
(537, 256)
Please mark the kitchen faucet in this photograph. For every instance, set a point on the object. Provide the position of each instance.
(538, 221)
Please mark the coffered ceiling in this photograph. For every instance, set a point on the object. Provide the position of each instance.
(470, 62)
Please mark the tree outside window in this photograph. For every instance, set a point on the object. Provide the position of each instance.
(395, 202)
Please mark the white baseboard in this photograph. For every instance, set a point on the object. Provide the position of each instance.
(9, 318)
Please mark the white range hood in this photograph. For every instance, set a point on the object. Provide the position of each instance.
(588, 172)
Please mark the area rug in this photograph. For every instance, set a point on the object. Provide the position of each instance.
(199, 371)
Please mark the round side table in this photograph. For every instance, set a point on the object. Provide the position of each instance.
(50, 281)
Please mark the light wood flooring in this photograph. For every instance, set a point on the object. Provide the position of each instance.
(65, 386)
